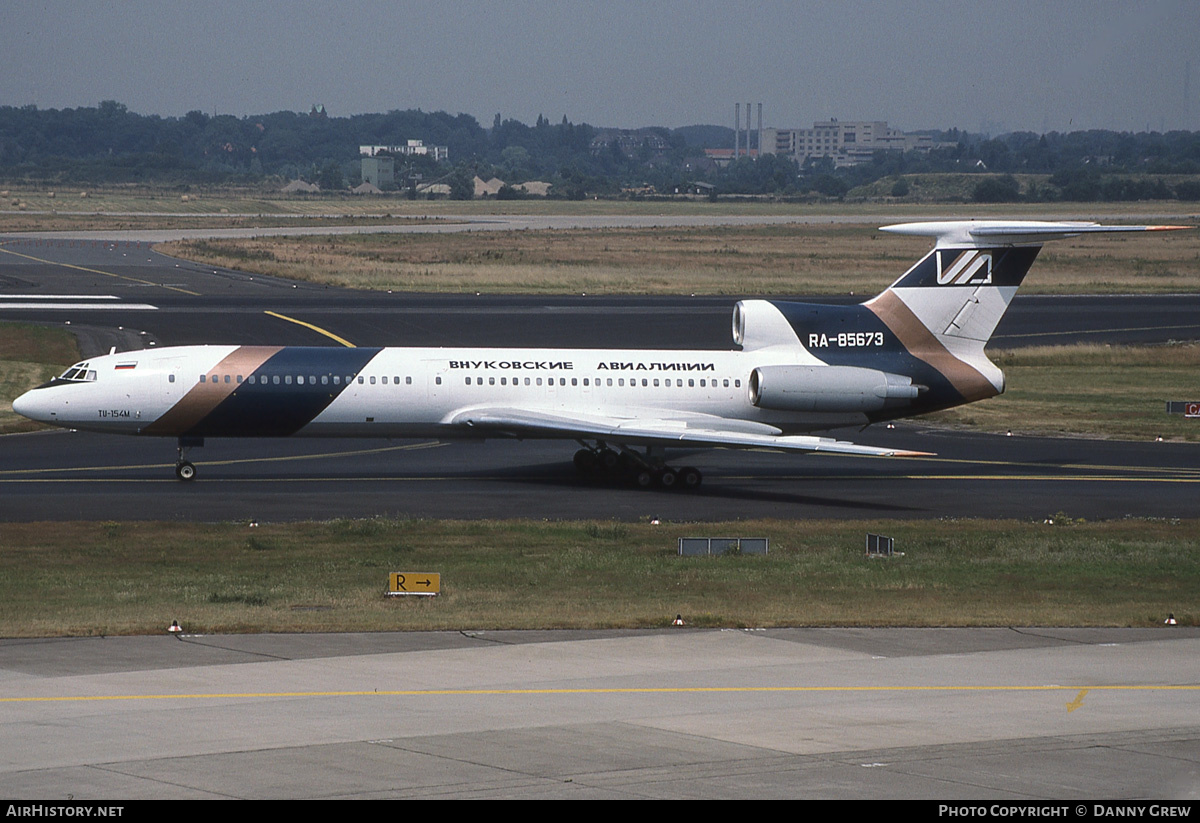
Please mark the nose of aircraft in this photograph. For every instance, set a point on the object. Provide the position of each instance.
(32, 405)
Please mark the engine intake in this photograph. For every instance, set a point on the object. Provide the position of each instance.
(759, 323)
(829, 389)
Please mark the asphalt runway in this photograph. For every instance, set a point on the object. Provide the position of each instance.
(81, 476)
(124, 294)
(1018, 717)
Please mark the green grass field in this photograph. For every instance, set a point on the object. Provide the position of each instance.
(121, 578)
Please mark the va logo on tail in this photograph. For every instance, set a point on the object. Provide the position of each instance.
(971, 267)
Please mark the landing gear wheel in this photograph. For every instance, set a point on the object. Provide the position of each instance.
(585, 460)
(644, 479)
(690, 478)
(668, 478)
(608, 460)
(185, 471)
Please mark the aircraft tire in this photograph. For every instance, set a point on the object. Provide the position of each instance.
(585, 461)
(668, 479)
(185, 471)
(644, 479)
(608, 460)
(690, 478)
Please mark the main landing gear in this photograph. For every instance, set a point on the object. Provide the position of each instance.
(184, 469)
(646, 471)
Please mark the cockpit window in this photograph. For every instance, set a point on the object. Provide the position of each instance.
(79, 373)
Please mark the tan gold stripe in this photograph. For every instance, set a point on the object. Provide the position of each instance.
(202, 398)
(921, 343)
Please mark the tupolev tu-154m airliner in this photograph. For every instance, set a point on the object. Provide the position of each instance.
(796, 368)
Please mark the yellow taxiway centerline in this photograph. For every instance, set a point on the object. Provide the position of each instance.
(287, 458)
(1191, 687)
(317, 329)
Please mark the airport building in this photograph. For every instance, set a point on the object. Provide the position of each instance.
(379, 162)
(409, 149)
(379, 171)
(847, 143)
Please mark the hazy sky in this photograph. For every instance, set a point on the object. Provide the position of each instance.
(998, 66)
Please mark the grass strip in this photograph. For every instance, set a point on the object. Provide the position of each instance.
(128, 578)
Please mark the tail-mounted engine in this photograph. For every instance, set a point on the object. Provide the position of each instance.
(758, 324)
(829, 389)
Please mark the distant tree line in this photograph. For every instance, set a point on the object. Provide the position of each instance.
(109, 144)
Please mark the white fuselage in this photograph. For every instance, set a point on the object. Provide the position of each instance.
(412, 392)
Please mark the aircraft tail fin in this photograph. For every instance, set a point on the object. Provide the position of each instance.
(961, 289)
(945, 308)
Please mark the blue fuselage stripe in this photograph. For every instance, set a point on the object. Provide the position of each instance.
(276, 403)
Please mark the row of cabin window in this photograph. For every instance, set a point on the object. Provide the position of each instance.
(299, 380)
(562, 381)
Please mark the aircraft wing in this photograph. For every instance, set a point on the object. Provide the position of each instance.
(653, 429)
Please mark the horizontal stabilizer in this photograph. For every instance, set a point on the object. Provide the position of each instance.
(994, 233)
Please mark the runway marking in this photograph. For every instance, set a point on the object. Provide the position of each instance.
(61, 297)
(286, 458)
(999, 337)
(81, 306)
(1072, 466)
(1077, 702)
(597, 690)
(317, 329)
(967, 461)
(98, 271)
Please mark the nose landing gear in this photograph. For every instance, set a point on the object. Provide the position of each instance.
(184, 469)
